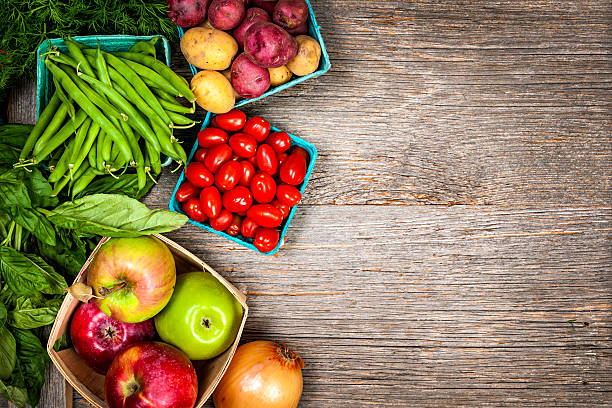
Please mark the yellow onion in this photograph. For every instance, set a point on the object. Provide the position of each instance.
(262, 374)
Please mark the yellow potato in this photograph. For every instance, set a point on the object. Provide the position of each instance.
(307, 59)
(206, 24)
(213, 91)
(279, 76)
(228, 74)
(208, 48)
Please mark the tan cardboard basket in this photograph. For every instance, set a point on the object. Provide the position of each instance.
(91, 384)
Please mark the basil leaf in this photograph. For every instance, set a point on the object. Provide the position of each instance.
(113, 215)
(34, 222)
(7, 297)
(8, 353)
(68, 260)
(26, 316)
(39, 189)
(17, 395)
(13, 192)
(14, 134)
(2, 314)
(127, 185)
(32, 359)
(9, 155)
(5, 222)
(61, 343)
(25, 276)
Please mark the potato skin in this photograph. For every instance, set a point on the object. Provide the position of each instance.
(253, 15)
(269, 45)
(226, 14)
(290, 14)
(249, 80)
(208, 48)
(280, 75)
(213, 91)
(308, 56)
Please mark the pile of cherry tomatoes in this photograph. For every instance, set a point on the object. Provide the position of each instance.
(243, 179)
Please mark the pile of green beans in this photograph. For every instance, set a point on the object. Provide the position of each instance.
(110, 112)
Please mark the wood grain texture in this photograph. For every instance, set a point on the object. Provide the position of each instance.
(454, 245)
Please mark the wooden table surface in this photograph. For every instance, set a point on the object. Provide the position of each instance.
(453, 247)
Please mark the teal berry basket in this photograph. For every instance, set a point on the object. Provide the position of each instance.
(248, 242)
(109, 43)
(314, 30)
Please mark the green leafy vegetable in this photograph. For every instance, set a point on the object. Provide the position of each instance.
(32, 359)
(27, 316)
(61, 343)
(17, 395)
(28, 276)
(114, 216)
(8, 353)
(127, 185)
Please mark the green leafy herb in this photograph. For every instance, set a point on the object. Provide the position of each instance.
(28, 275)
(127, 185)
(27, 316)
(63, 342)
(8, 352)
(113, 215)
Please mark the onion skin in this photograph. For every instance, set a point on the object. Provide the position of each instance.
(262, 374)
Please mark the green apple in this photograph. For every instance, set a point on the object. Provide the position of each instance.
(202, 317)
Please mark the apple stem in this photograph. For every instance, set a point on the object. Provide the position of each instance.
(104, 292)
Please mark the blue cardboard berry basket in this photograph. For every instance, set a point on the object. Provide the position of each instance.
(314, 30)
(109, 43)
(248, 242)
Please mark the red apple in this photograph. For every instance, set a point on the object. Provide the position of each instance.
(151, 374)
(98, 338)
(132, 277)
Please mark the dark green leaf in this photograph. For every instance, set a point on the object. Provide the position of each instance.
(8, 353)
(36, 223)
(114, 216)
(13, 192)
(32, 359)
(127, 185)
(61, 343)
(26, 276)
(8, 297)
(27, 316)
(2, 314)
(68, 260)
(17, 395)
(14, 134)
(5, 223)
(8, 155)
(39, 189)
(57, 283)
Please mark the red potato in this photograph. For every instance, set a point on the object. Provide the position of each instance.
(249, 80)
(290, 13)
(268, 45)
(226, 14)
(267, 5)
(253, 15)
(187, 13)
(299, 30)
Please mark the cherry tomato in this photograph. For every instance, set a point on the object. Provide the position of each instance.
(281, 158)
(241, 213)
(228, 176)
(266, 159)
(200, 154)
(293, 169)
(210, 137)
(248, 227)
(231, 121)
(213, 123)
(302, 152)
(235, 157)
(266, 239)
(216, 156)
(186, 191)
(234, 227)
(248, 171)
(199, 175)
(288, 194)
(265, 215)
(280, 141)
(193, 209)
(258, 128)
(237, 199)
(263, 188)
(210, 198)
(243, 145)
(221, 222)
(253, 160)
(285, 209)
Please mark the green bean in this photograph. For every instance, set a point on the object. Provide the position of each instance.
(91, 154)
(90, 109)
(180, 119)
(134, 118)
(153, 77)
(45, 118)
(101, 141)
(95, 97)
(138, 84)
(163, 70)
(62, 164)
(175, 107)
(163, 95)
(125, 89)
(75, 51)
(66, 100)
(154, 158)
(83, 181)
(52, 128)
(86, 148)
(60, 137)
(64, 59)
(59, 186)
(146, 47)
(107, 150)
(178, 148)
(165, 142)
(138, 157)
(79, 140)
